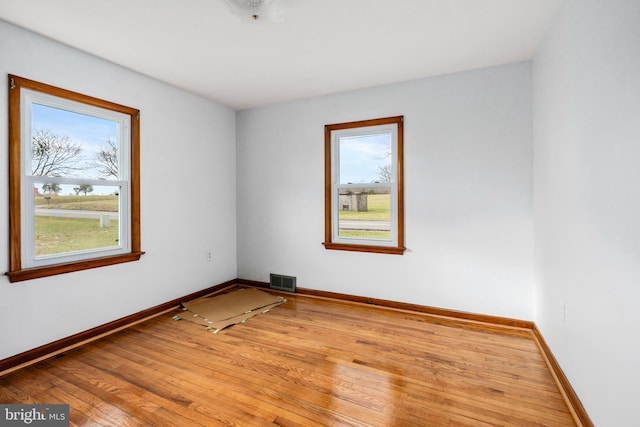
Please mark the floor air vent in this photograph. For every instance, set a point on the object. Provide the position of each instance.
(282, 283)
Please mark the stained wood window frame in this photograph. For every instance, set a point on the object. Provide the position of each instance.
(17, 271)
(330, 168)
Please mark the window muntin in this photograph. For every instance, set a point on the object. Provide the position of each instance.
(363, 186)
(74, 179)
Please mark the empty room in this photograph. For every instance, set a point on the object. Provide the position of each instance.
(434, 203)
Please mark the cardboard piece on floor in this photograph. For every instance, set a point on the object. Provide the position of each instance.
(221, 324)
(223, 310)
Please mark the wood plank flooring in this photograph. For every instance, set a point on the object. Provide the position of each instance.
(308, 362)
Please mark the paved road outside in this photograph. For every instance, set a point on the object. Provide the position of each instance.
(358, 224)
(68, 213)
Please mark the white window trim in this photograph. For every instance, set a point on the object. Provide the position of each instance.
(336, 135)
(28, 256)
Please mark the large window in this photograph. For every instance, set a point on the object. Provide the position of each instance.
(73, 181)
(364, 208)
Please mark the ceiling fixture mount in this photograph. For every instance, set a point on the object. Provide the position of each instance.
(255, 9)
(247, 8)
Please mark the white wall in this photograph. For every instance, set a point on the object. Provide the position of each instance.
(587, 202)
(468, 160)
(187, 199)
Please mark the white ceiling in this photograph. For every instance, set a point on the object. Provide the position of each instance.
(319, 46)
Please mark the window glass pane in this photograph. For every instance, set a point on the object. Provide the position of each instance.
(364, 213)
(69, 144)
(365, 158)
(72, 218)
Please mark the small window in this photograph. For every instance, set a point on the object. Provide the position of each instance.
(74, 180)
(364, 208)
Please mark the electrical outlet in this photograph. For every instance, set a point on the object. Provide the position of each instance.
(209, 256)
(563, 311)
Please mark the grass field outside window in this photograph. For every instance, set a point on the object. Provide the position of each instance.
(378, 210)
(55, 235)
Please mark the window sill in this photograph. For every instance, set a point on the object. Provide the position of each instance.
(52, 270)
(393, 250)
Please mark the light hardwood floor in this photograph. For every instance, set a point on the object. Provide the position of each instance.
(308, 362)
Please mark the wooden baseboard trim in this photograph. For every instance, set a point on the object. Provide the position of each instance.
(31, 356)
(435, 311)
(575, 406)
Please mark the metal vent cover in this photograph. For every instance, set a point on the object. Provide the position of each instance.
(282, 283)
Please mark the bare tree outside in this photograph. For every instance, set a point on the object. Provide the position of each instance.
(106, 160)
(384, 173)
(54, 155)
